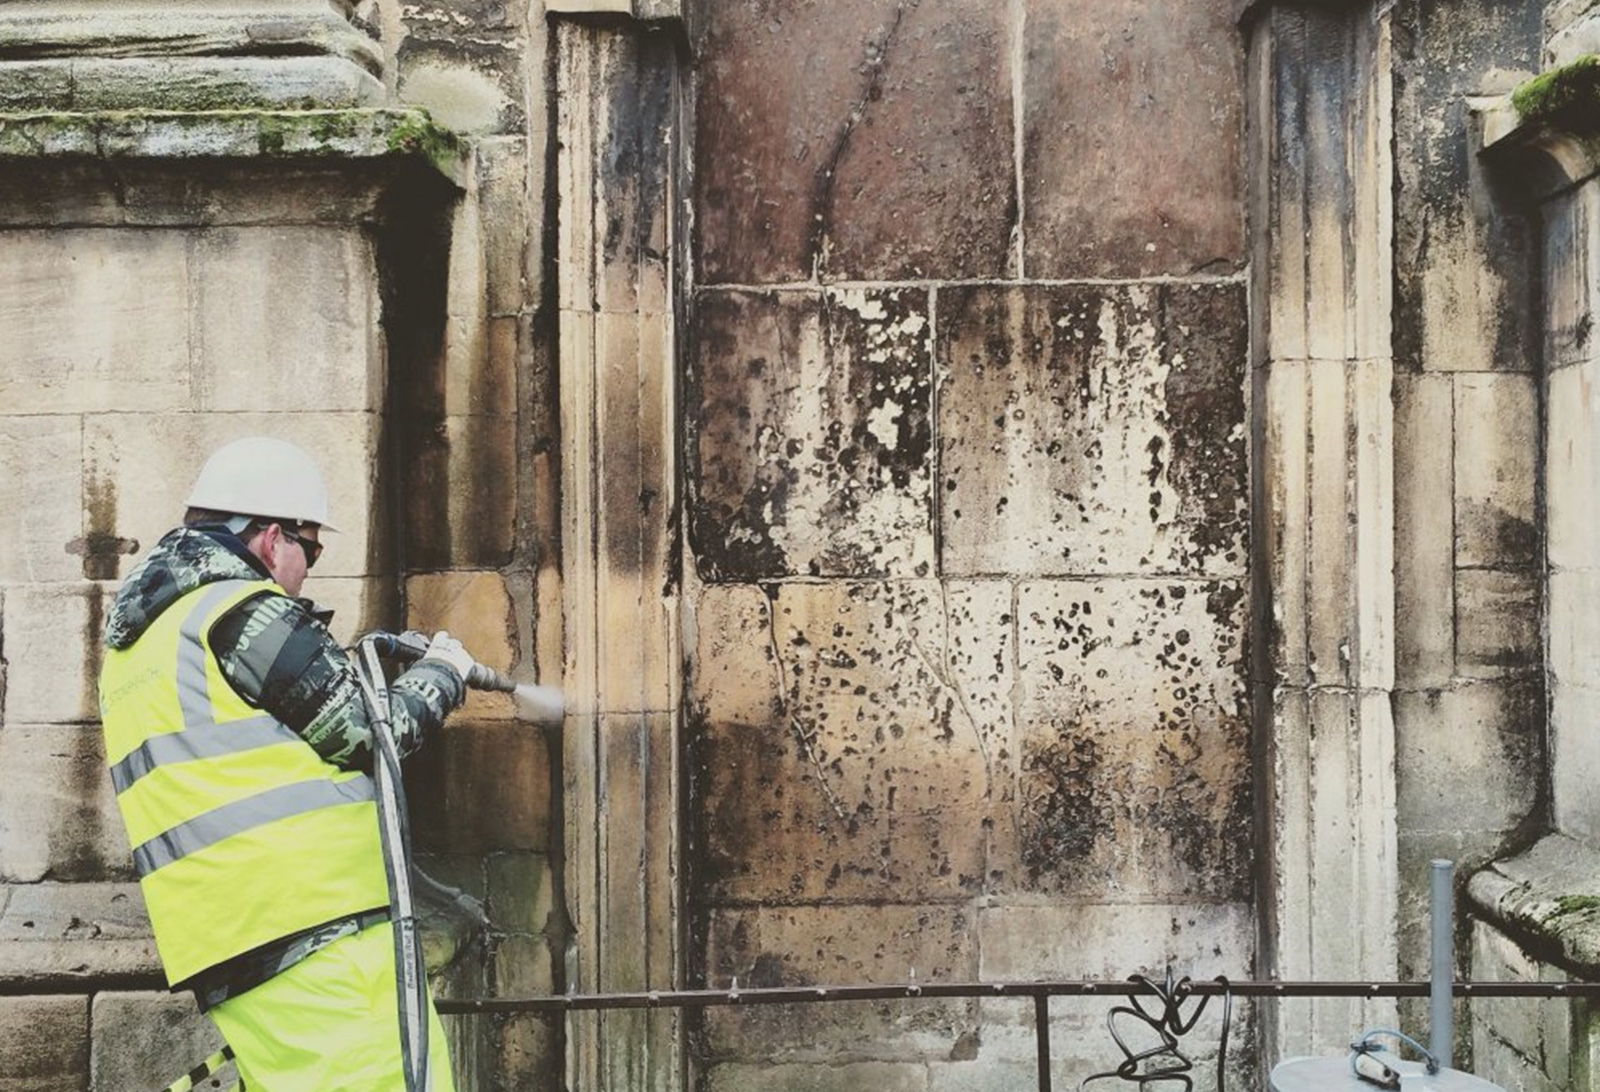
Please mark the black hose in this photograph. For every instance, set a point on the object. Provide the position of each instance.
(1165, 1062)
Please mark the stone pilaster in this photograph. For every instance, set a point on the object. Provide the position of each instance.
(121, 54)
(1320, 87)
(617, 134)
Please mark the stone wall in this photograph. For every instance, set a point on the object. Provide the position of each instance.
(966, 457)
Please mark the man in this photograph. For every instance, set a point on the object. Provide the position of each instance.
(238, 739)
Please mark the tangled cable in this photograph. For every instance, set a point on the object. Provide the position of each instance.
(1165, 1062)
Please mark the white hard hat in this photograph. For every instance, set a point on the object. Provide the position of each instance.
(263, 476)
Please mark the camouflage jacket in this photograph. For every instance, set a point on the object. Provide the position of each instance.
(277, 652)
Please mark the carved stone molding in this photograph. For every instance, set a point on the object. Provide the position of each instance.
(275, 53)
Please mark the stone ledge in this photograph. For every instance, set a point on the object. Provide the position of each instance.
(290, 135)
(1548, 898)
(1548, 129)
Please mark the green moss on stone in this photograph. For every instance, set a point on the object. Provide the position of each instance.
(1566, 98)
(414, 133)
(1574, 904)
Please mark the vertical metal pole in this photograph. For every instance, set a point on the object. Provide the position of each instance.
(1041, 1035)
(1441, 1010)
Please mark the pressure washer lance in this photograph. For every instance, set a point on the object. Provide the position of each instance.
(538, 704)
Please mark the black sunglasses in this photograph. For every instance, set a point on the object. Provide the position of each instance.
(312, 548)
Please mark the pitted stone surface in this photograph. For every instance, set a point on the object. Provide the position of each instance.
(860, 140)
(1116, 96)
(862, 768)
(809, 434)
(1090, 429)
(1134, 743)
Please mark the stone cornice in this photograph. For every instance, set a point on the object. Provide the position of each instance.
(294, 135)
(1548, 897)
(1547, 132)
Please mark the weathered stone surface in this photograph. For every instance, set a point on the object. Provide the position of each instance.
(1541, 1033)
(480, 787)
(461, 494)
(1463, 266)
(307, 342)
(47, 1043)
(824, 946)
(148, 1040)
(1574, 759)
(41, 472)
(1468, 758)
(58, 815)
(1569, 223)
(475, 607)
(142, 498)
(94, 320)
(882, 149)
(809, 434)
(521, 892)
(1134, 752)
(1551, 892)
(1114, 96)
(51, 635)
(1496, 433)
(1113, 940)
(1092, 429)
(1424, 516)
(869, 763)
(1498, 622)
(1575, 628)
(846, 1077)
(470, 80)
(52, 933)
(503, 196)
(1572, 465)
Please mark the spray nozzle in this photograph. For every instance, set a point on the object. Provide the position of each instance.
(540, 704)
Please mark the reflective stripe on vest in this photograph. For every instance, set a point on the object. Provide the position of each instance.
(243, 833)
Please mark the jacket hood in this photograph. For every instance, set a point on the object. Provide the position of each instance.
(182, 561)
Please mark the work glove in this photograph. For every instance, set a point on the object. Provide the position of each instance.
(447, 649)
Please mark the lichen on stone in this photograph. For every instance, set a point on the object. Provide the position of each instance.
(1567, 97)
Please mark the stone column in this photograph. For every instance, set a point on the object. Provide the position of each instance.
(617, 87)
(126, 54)
(1324, 525)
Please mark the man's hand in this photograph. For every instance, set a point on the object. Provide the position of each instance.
(447, 649)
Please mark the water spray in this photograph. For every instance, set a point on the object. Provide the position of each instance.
(542, 705)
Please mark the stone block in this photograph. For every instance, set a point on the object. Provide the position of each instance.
(286, 320)
(1142, 107)
(1572, 466)
(1104, 940)
(809, 434)
(1424, 515)
(1574, 760)
(478, 609)
(1468, 758)
(881, 747)
(1499, 621)
(460, 497)
(1496, 456)
(471, 84)
(845, 1077)
(140, 468)
(52, 933)
(51, 635)
(58, 815)
(478, 787)
(1575, 627)
(148, 1040)
(1539, 1031)
(94, 321)
(47, 1043)
(825, 946)
(503, 199)
(814, 159)
(1092, 429)
(523, 967)
(41, 488)
(1134, 752)
(521, 892)
(1570, 248)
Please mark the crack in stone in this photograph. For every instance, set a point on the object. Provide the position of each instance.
(830, 169)
(806, 741)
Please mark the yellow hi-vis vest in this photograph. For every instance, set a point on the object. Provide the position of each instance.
(241, 833)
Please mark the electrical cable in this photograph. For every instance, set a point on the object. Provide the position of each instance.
(1165, 1062)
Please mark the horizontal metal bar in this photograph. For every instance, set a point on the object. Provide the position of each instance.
(801, 995)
